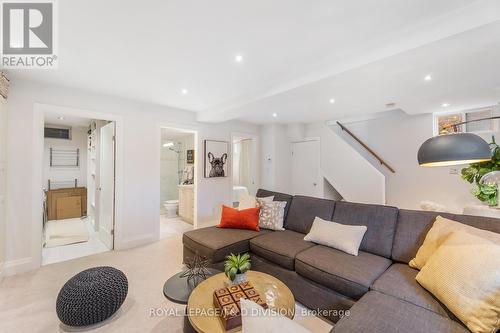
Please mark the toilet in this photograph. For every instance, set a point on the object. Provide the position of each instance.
(171, 207)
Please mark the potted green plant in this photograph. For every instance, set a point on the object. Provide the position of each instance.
(487, 193)
(236, 267)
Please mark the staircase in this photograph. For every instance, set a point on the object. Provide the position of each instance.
(352, 175)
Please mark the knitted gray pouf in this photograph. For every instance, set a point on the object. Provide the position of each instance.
(91, 296)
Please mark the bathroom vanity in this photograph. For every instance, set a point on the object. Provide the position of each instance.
(186, 202)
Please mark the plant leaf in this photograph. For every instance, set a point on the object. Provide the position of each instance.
(245, 257)
(232, 273)
(245, 267)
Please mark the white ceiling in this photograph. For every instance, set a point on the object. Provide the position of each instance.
(465, 73)
(52, 118)
(169, 134)
(297, 55)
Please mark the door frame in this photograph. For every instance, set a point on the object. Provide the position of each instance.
(39, 111)
(112, 230)
(255, 157)
(187, 129)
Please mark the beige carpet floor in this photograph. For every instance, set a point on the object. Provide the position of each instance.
(27, 301)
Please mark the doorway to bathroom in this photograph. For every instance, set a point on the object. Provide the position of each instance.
(244, 166)
(177, 181)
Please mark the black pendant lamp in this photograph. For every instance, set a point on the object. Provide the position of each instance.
(453, 149)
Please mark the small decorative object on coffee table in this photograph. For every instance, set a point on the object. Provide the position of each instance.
(273, 292)
(236, 267)
(178, 287)
(196, 269)
(227, 302)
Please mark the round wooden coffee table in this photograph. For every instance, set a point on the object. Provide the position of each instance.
(200, 304)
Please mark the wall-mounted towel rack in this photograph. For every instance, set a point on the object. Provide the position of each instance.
(65, 158)
(55, 184)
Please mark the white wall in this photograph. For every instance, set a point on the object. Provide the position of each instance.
(3, 178)
(276, 158)
(276, 163)
(397, 139)
(346, 170)
(141, 165)
(78, 140)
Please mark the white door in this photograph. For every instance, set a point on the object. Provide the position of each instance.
(306, 176)
(107, 184)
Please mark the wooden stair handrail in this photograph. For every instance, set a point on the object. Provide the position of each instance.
(382, 162)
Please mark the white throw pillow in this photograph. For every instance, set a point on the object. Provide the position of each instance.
(249, 201)
(271, 214)
(255, 319)
(346, 238)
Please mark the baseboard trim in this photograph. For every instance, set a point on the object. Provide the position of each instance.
(17, 266)
(139, 240)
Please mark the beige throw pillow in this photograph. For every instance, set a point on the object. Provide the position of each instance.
(464, 274)
(271, 214)
(440, 230)
(346, 238)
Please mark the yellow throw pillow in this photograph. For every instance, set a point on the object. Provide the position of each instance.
(440, 230)
(464, 274)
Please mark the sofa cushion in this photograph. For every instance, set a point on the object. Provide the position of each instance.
(347, 274)
(464, 274)
(232, 218)
(346, 238)
(413, 227)
(216, 243)
(272, 214)
(399, 281)
(280, 247)
(303, 210)
(380, 220)
(380, 313)
(277, 197)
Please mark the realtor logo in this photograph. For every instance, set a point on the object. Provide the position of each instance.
(28, 34)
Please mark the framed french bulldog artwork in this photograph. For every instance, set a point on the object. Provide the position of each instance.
(190, 156)
(216, 156)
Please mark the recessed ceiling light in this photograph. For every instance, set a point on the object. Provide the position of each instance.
(428, 77)
(238, 58)
(275, 115)
(445, 105)
(184, 91)
(60, 118)
(332, 101)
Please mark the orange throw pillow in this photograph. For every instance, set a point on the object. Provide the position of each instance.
(240, 219)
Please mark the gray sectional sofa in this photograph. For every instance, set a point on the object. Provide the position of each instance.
(377, 288)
